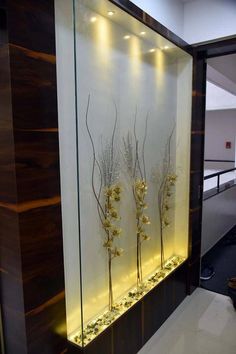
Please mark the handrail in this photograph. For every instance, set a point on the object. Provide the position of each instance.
(219, 160)
(218, 174)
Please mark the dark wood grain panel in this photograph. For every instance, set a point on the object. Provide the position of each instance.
(31, 24)
(196, 225)
(197, 151)
(199, 92)
(33, 89)
(41, 227)
(196, 187)
(32, 274)
(37, 165)
(74, 349)
(193, 275)
(11, 289)
(197, 167)
(127, 332)
(103, 344)
(153, 311)
(48, 320)
(180, 284)
(10, 259)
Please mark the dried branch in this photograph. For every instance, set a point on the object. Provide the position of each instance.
(168, 180)
(143, 149)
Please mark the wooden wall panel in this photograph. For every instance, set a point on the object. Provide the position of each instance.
(197, 168)
(32, 272)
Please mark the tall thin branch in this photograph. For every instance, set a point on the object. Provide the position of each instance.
(94, 158)
(143, 149)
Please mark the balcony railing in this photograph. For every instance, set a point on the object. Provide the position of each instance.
(219, 187)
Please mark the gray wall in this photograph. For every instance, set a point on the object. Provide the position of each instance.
(220, 127)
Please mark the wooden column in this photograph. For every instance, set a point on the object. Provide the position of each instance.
(31, 251)
(197, 168)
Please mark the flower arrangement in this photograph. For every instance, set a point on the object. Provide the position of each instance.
(167, 182)
(107, 197)
(137, 173)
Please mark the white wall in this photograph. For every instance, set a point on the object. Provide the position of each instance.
(218, 218)
(218, 98)
(220, 127)
(169, 13)
(209, 19)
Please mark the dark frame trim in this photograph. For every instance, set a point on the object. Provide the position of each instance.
(201, 52)
(216, 48)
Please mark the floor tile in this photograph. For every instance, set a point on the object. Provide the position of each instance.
(204, 323)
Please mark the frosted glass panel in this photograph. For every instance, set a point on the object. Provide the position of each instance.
(131, 139)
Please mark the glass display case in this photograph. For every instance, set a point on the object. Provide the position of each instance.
(125, 147)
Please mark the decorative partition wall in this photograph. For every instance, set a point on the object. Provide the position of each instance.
(125, 148)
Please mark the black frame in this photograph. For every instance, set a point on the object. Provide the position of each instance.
(201, 52)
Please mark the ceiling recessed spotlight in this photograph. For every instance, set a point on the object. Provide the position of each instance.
(152, 50)
(142, 33)
(166, 47)
(126, 37)
(93, 19)
(111, 13)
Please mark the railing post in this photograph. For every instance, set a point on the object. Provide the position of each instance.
(218, 183)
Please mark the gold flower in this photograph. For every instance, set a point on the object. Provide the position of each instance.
(117, 198)
(107, 224)
(117, 189)
(145, 220)
(145, 237)
(108, 244)
(113, 213)
(116, 231)
(109, 192)
(117, 252)
(166, 222)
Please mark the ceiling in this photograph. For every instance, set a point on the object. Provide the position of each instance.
(221, 87)
(218, 98)
(226, 65)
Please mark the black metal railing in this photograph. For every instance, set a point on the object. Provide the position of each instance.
(219, 188)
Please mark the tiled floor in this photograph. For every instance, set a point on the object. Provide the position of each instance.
(205, 323)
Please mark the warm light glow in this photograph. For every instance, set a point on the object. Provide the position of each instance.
(111, 13)
(126, 37)
(159, 58)
(135, 58)
(103, 42)
(152, 50)
(142, 33)
(103, 320)
(166, 47)
(93, 19)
